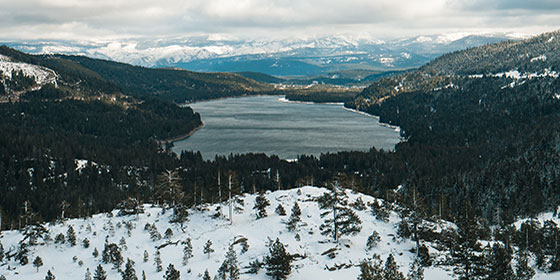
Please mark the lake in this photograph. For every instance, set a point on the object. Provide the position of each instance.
(266, 124)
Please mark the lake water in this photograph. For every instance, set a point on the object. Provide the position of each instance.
(265, 124)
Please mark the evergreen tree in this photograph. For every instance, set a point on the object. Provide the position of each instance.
(208, 248)
(260, 205)
(522, 268)
(373, 240)
(416, 270)
(88, 275)
(371, 270)
(99, 273)
(71, 236)
(157, 261)
(391, 270)
(38, 262)
(498, 263)
(95, 253)
(229, 270)
(295, 217)
(146, 256)
(112, 254)
(50, 276)
(143, 275)
(206, 275)
(187, 251)
(171, 273)
(466, 251)
(280, 210)
(279, 262)
(129, 273)
(180, 215)
(344, 220)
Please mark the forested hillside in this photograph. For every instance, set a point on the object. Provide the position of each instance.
(481, 125)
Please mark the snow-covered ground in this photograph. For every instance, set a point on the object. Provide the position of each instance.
(41, 75)
(202, 226)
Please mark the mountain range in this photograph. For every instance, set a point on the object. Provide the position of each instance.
(294, 57)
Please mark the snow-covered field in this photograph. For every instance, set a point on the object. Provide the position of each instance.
(202, 226)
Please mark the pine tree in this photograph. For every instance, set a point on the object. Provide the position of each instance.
(373, 240)
(171, 273)
(71, 236)
(391, 270)
(157, 261)
(146, 256)
(206, 275)
(143, 275)
(295, 217)
(466, 250)
(416, 270)
(38, 262)
(95, 253)
(88, 275)
(522, 268)
(371, 270)
(187, 251)
(208, 248)
(129, 273)
(280, 210)
(99, 273)
(229, 270)
(50, 276)
(498, 263)
(344, 220)
(260, 205)
(279, 262)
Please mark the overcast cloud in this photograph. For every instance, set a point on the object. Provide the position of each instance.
(259, 19)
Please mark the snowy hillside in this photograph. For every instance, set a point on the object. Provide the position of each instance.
(135, 235)
(40, 75)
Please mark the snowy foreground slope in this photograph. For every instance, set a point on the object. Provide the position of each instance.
(70, 262)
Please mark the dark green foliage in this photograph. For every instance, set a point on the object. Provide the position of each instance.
(171, 273)
(187, 251)
(391, 270)
(416, 271)
(295, 217)
(157, 261)
(522, 269)
(51, 276)
(38, 262)
(371, 269)
(129, 273)
(85, 243)
(99, 273)
(229, 270)
(466, 251)
(278, 263)
(208, 248)
(112, 254)
(373, 240)
(71, 236)
(280, 210)
(498, 262)
(206, 275)
(260, 206)
(341, 219)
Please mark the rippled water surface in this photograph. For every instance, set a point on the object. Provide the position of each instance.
(264, 124)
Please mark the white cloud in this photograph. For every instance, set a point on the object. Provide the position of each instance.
(117, 19)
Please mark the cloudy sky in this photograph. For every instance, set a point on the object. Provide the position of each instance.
(273, 19)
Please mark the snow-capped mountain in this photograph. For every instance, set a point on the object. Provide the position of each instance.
(293, 57)
(140, 237)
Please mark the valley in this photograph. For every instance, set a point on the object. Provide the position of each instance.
(468, 192)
